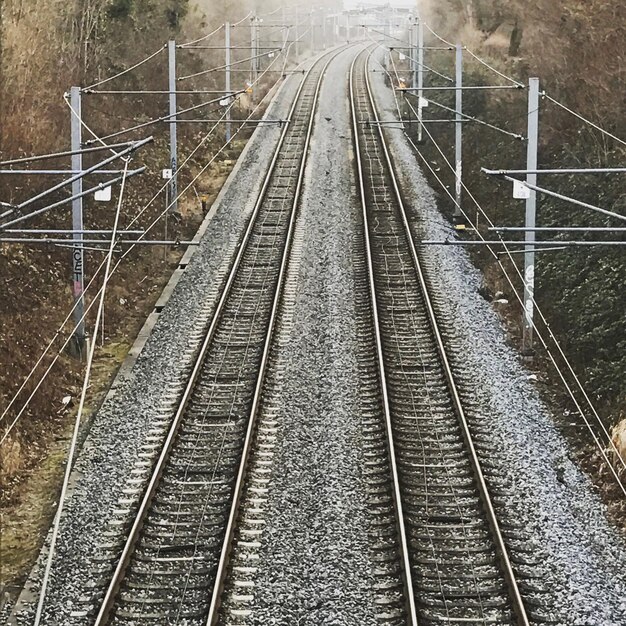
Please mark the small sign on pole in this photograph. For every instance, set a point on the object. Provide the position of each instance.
(423, 103)
(166, 174)
(402, 56)
(224, 102)
(520, 190)
(103, 195)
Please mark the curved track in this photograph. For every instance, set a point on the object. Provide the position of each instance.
(457, 559)
(171, 567)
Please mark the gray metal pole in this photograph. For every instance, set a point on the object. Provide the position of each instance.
(420, 77)
(458, 135)
(227, 81)
(254, 60)
(531, 210)
(173, 186)
(78, 253)
(257, 52)
(324, 34)
(413, 51)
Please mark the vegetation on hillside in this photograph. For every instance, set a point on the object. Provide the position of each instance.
(44, 49)
(576, 48)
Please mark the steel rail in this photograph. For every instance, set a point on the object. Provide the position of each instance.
(239, 484)
(404, 546)
(502, 551)
(134, 534)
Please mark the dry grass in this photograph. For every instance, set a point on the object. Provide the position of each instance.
(11, 460)
(34, 58)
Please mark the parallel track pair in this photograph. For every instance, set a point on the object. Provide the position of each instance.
(449, 562)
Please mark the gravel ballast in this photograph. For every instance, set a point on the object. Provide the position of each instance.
(314, 554)
(143, 396)
(314, 562)
(583, 555)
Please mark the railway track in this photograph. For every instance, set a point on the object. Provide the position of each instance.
(457, 562)
(171, 567)
(439, 553)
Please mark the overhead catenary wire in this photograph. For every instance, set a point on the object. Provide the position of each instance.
(101, 139)
(508, 252)
(385, 35)
(54, 205)
(205, 37)
(399, 81)
(130, 249)
(56, 155)
(222, 67)
(540, 312)
(477, 58)
(124, 255)
(164, 118)
(423, 65)
(472, 119)
(127, 70)
(493, 69)
(57, 334)
(75, 114)
(438, 36)
(386, 71)
(272, 12)
(73, 443)
(539, 334)
(205, 138)
(552, 337)
(243, 19)
(583, 119)
(287, 51)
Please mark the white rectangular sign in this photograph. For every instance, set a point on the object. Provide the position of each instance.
(402, 57)
(167, 174)
(423, 103)
(520, 191)
(103, 195)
